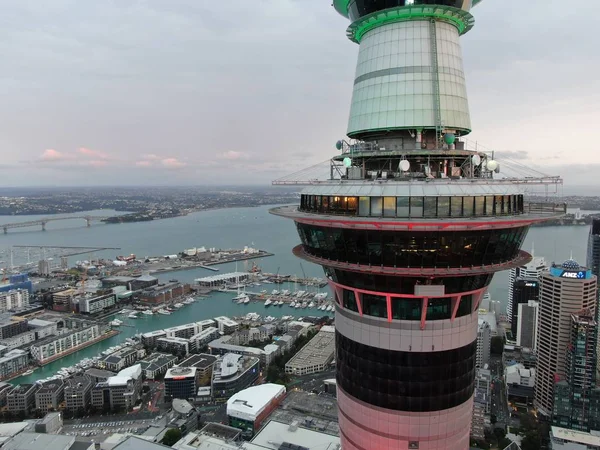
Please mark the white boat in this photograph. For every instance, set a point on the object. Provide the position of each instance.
(246, 300)
(329, 308)
(304, 304)
(164, 312)
(189, 301)
(269, 319)
(280, 303)
(298, 305)
(132, 316)
(285, 292)
(293, 304)
(178, 305)
(311, 305)
(148, 313)
(268, 303)
(115, 323)
(264, 291)
(300, 294)
(29, 372)
(275, 292)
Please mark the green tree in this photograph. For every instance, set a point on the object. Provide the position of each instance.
(171, 436)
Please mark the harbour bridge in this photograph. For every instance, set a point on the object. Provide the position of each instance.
(42, 222)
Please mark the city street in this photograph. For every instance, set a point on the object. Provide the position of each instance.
(499, 406)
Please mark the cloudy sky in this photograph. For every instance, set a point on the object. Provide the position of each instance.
(239, 91)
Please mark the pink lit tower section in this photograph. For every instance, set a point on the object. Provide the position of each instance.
(410, 226)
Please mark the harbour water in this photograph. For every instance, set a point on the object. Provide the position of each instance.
(228, 228)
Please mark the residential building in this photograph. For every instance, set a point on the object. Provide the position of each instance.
(226, 325)
(531, 271)
(78, 392)
(156, 365)
(65, 300)
(94, 305)
(21, 398)
(524, 291)
(54, 346)
(527, 324)
(222, 346)
(17, 281)
(14, 299)
(162, 293)
(13, 362)
(182, 331)
(249, 408)
(233, 373)
(315, 356)
(12, 326)
(200, 340)
(50, 395)
(207, 323)
(484, 341)
(149, 339)
(565, 290)
(173, 345)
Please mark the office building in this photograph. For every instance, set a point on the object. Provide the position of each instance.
(573, 407)
(315, 356)
(78, 392)
(11, 326)
(294, 437)
(225, 325)
(99, 375)
(181, 382)
(222, 346)
(531, 271)
(156, 365)
(120, 392)
(94, 305)
(21, 398)
(527, 324)
(65, 300)
(565, 439)
(410, 226)
(118, 360)
(51, 423)
(50, 395)
(248, 409)
(520, 383)
(484, 343)
(524, 291)
(15, 299)
(565, 290)
(203, 362)
(593, 247)
(232, 373)
(36, 441)
(183, 416)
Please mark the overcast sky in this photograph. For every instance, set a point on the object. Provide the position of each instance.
(239, 91)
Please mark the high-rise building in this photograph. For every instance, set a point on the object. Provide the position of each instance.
(572, 406)
(532, 270)
(593, 248)
(524, 290)
(527, 324)
(484, 342)
(565, 290)
(410, 227)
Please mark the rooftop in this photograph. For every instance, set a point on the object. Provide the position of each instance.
(21, 389)
(316, 412)
(137, 443)
(226, 321)
(222, 277)
(156, 361)
(221, 343)
(10, 429)
(579, 437)
(249, 403)
(231, 366)
(51, 386)
(154, 333)
(36, 441)
(99, 373)
(202, 361)
(319, 350)
(274, 434)
(78, 382)
(177, 373)
(182, 407)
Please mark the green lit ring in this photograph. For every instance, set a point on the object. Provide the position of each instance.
(462, 20)
(341, 6)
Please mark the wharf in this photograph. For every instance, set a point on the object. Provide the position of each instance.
(105, 336)
(183, 264)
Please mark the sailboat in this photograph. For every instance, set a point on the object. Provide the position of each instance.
(241, 297)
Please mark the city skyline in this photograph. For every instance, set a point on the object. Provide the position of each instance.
(109, 94)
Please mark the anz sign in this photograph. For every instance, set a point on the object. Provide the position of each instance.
(579, 275)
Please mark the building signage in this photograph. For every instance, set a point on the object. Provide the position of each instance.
(578, 275)
(530, 284)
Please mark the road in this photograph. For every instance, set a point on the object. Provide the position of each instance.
(499, 405)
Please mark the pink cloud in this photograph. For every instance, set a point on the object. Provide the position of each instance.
(232, 155)
(92, 153)
(53, 155)
(143, 163)
(173, 163)
(151, 157)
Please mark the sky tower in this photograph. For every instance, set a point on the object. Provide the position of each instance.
(410, 226)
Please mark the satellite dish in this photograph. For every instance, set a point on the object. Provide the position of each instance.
(404, 165)
(492, 165)
(476, 159)
(347, 162)
(339, 145)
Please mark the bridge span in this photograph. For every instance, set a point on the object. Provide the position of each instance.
(42, 222)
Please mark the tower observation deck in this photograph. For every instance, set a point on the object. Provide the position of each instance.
(410, 225)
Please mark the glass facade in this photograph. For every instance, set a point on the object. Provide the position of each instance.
(405, 285)
(360, 8)
(405, 381)
(414, 207)
(441, 249)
